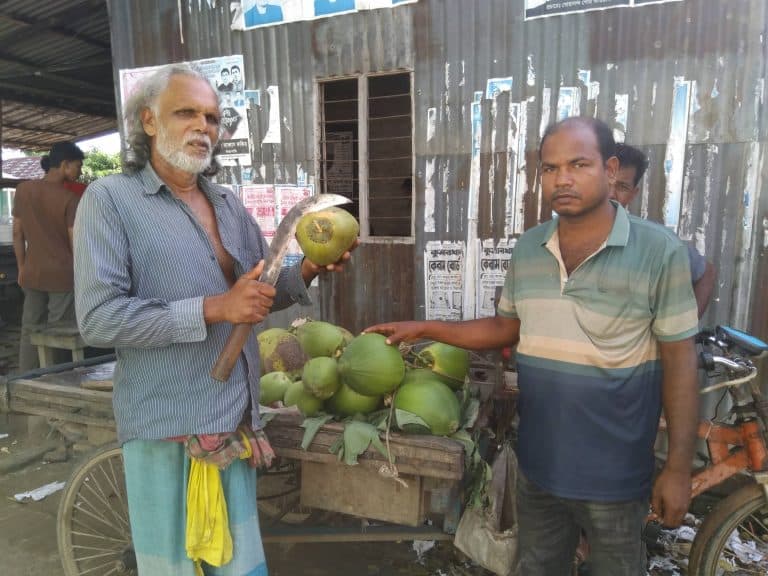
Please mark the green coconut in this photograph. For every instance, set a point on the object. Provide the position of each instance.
(431, 400)
(370, 366)
(321, 377)
(280, 351)
(348, 336)
(320, 338)
(325, 235)
(347, 402)
(297, 395)
(449, 362)
(272, 387)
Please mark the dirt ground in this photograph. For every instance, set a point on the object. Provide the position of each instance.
(28, 532)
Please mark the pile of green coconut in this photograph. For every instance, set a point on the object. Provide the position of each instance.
(319, 367)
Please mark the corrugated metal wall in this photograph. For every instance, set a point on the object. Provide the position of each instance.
(454, 47)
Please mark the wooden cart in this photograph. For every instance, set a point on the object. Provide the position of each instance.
(93, 528)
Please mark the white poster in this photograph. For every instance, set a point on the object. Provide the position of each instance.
(443, 280)
(492, 266)
(675, 156)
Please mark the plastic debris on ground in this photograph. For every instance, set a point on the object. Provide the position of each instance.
(39, 493)
(3, 436)
(422, 546)
(670, 555)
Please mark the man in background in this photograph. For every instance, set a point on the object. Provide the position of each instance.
(43, 217)
(632, 166)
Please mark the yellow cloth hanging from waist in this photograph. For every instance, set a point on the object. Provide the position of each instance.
(207, 536)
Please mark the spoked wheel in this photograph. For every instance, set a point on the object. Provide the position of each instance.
(278, 494)
(717, 549)
(93, 532)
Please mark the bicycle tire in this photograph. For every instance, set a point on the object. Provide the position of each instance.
(710, 542)
(93, 532)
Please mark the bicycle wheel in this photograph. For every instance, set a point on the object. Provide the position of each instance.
(743, 515)
(93, 533)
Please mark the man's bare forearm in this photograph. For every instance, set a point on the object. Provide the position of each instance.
(680, 397)
(482, 334)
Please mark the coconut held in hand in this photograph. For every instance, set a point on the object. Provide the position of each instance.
(325, 235)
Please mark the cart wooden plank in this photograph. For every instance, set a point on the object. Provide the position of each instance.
(428, 456)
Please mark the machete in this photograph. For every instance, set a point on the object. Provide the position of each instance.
(283, 236)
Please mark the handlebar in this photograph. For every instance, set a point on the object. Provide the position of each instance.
(730, 349)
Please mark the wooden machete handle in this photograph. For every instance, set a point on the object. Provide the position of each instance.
(232, 349)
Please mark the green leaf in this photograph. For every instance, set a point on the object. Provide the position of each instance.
(311, 427)
(379, 418)
(357, 437)
(337, 447)
(267, 417)
(470, 412)
(405, 418)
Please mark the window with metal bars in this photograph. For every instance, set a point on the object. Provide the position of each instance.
(366, 150)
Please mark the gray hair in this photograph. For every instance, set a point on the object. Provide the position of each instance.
(137, 151)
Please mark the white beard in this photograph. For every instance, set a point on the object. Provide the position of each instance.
(174, 154)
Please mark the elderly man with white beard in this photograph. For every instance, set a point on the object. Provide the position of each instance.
(165, 263)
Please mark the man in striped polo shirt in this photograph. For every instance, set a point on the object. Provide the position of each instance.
(165, 263)
(601, 305)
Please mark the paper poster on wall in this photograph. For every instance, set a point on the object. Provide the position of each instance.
(443, 273)
(543, 8)
(259, 201)
(492, 266)
(227, 77)
(286, 197)
(495, 86)
(568, 102)
(268, 204)
(250, 14)
(620, 116)
(273, 135)
(674, 159)
(546, 97)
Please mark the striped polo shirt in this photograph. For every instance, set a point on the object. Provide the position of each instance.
(588, 362)
(143, 265)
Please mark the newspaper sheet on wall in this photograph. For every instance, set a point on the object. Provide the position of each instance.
(443, 280)
(248, 14)
(268, 205)
(542, 8)
(227, 75)
(492, 269)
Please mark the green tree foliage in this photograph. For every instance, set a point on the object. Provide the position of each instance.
(98, 164)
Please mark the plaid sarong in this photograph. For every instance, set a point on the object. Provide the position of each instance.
(221, 450)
